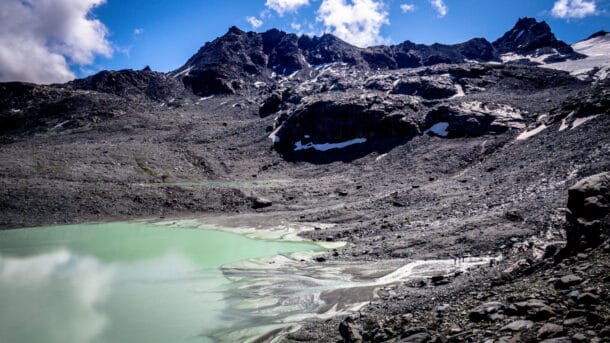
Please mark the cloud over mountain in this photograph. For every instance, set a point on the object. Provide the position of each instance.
(358, 22)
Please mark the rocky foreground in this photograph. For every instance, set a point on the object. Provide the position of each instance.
(406, 152)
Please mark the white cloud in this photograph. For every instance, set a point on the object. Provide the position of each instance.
(39, 39)
(255, 22)
(358, 22)
(296, 26)
(566, 9)
(407, 8)
(138, 31)
(286, 6)
(440, 7)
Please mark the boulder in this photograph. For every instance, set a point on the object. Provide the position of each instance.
(349, 331)
(489, 311)
(518, 325)
(474, 119)
(550, 330)
(270, 105)
(588, 212)
(568, 281)
(427, 87)
(259, 202)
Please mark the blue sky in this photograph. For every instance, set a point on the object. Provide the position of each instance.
(164, 34)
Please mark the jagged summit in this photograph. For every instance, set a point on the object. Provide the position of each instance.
(238, 59)
(532, 39)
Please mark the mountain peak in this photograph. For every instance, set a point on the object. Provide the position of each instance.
(597, 34)
(235, 30)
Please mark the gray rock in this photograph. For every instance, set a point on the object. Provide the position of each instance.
(588, 204)
(535, 309)
(518, 325)
(550, 330)
(557, 340)
(568, 281)
(587, 299)
(579, 337)
(421, 337)
(487, 312)
(428, 87)
(258, 202)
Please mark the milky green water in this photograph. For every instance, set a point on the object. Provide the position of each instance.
(122, 282)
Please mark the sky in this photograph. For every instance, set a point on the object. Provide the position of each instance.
(48, 41)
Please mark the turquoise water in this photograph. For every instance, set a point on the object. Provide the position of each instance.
(123, 282)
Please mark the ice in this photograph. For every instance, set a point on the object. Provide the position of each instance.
(327, 146)
(598, 52)
(439, 129)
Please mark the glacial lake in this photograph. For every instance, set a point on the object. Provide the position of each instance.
(131, 282)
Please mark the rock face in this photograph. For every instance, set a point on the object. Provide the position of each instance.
(589, 208)
(131, 84)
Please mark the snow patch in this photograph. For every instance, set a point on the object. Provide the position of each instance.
(439, 129)
(14, 110)
(579, 121)
(528, 134)
(184, 72)
(460, 91)
(259, 84)
(598, 51)
(380, 157)
(327, 146)
(206, 98)
(273, 136)
(509, 57)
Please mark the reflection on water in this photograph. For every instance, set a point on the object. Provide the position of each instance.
(120, 282)
(52, 298)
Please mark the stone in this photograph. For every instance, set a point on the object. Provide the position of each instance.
(587, 299)
(578, 321)
(579, 337)
(270, 105)
(421, 337)
(349, 331)
(588, 205)
(484, 312)
(557, 340)
(518, 325)
(534, 309)
(550, 330)
(258, 202)
(568, 281)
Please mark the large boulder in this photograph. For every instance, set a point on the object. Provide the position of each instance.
(428, 87)
(473, 119)
(340, 123)
(588, 211)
